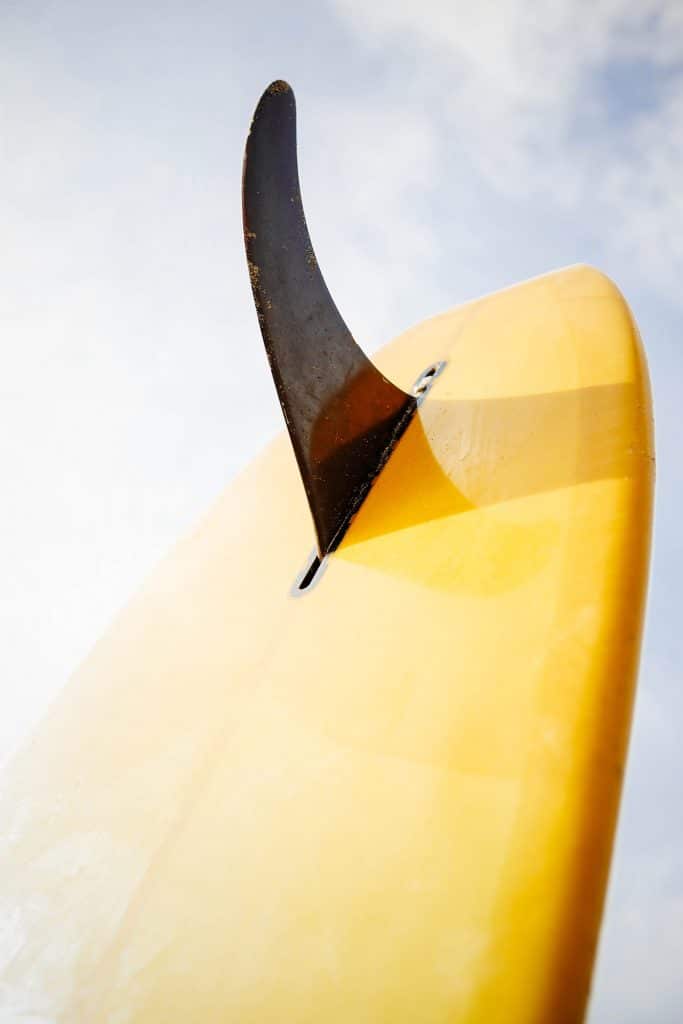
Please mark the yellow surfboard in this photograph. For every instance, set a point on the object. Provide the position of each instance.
(389, 795)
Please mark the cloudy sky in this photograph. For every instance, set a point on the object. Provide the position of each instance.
(446, 150)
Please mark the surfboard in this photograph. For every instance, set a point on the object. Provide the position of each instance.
(382, 784)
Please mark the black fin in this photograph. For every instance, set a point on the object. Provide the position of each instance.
(343, 416)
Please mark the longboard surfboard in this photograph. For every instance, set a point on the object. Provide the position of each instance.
(380, 785)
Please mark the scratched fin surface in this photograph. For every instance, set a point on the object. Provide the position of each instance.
(342, 414)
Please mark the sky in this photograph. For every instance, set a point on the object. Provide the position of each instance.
(446, 150)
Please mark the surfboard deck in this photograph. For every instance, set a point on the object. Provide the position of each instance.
(393, 797)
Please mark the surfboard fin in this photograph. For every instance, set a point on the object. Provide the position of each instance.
(343, 416)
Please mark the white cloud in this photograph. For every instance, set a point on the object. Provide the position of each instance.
(370, 171)
(530, 93)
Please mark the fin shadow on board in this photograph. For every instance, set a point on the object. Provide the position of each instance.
(487, 451)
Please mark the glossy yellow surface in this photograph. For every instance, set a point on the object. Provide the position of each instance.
(391, 799)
